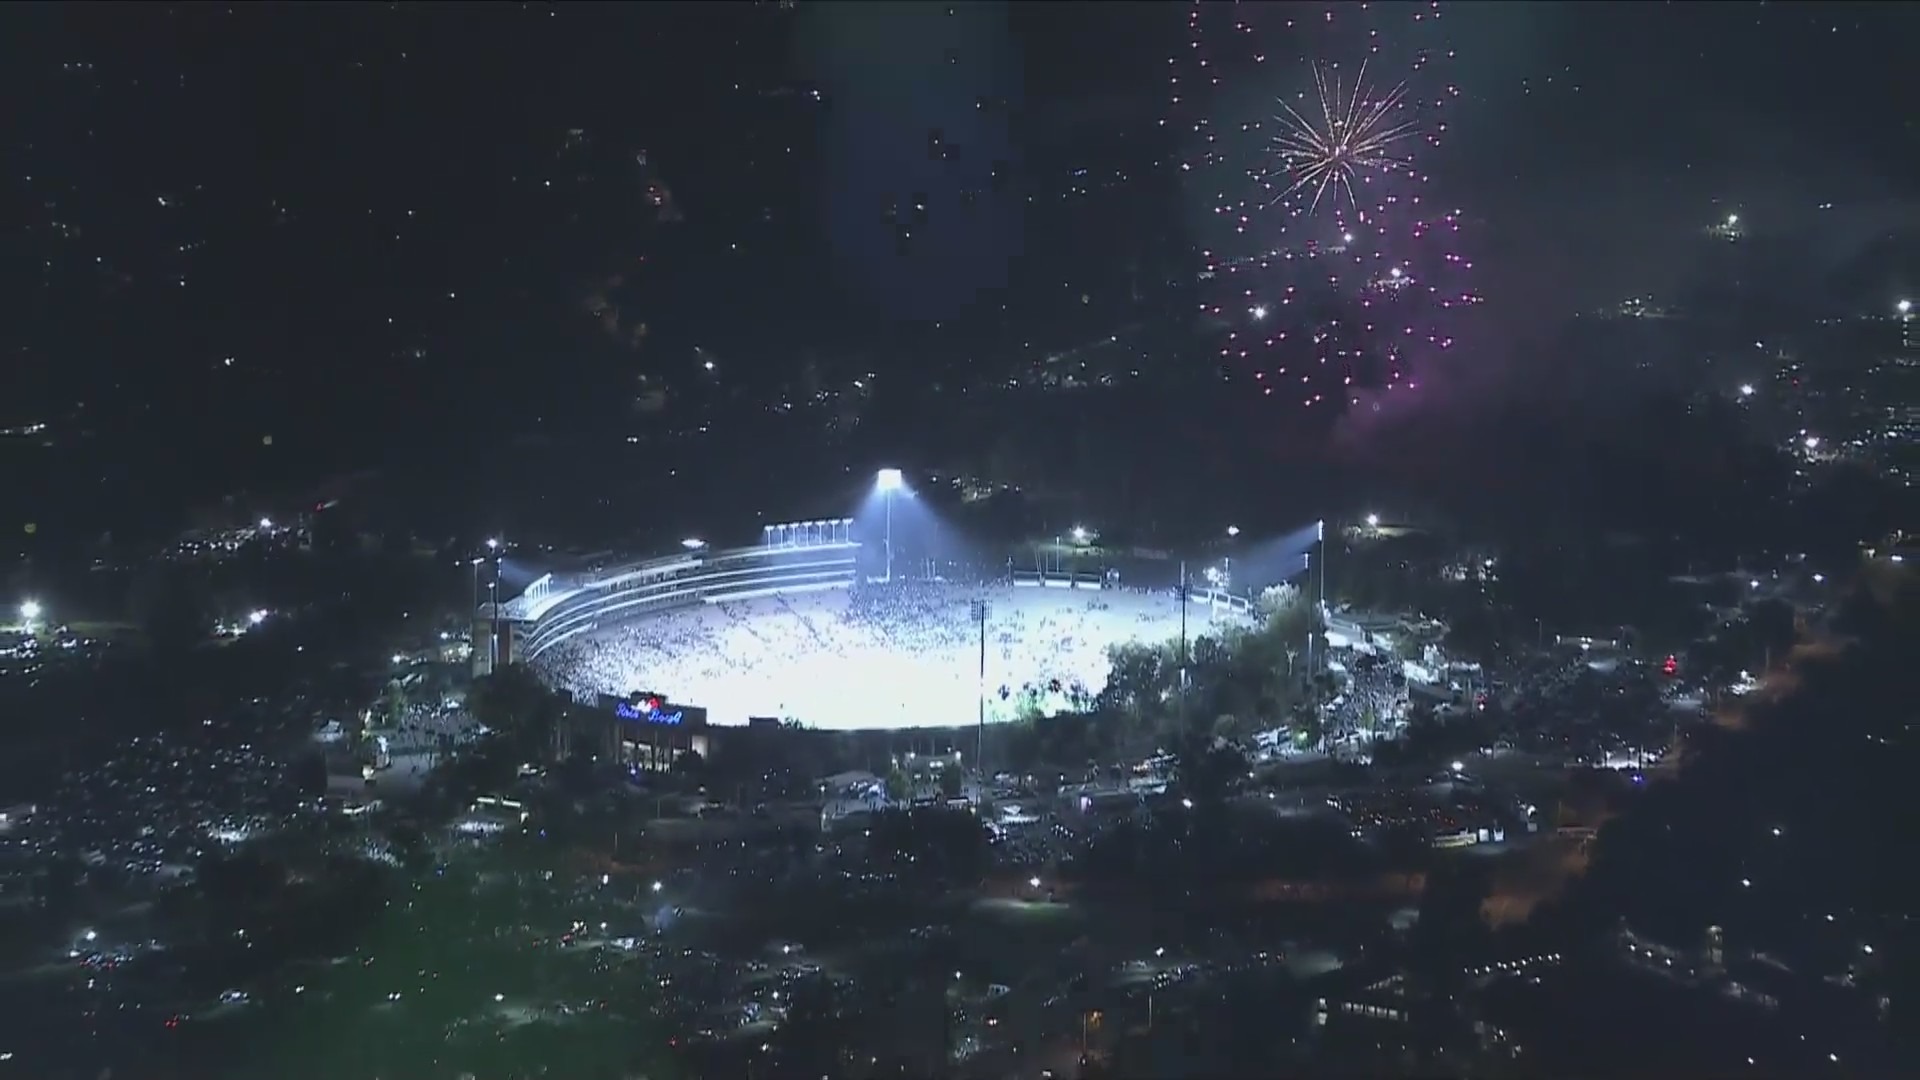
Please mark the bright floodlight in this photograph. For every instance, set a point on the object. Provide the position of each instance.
(1233, 530)
(1903, 307)
(493, 544)
(1259, 312)
(266, 523)
(1373, 521)
(1458, 766)
(1079, 535)
(889, 480)
(692, 544)
(1746, 389)
(256, 617)
(30, 610)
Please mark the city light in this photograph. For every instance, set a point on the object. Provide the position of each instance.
(493, 544)
(256, 617)
(1373, 521)
(266, 524)
(1904, 307)
(1233, 530)
(1746, 389)
(889, 480)
(1079, 535)
(30, 611)
(692, 544)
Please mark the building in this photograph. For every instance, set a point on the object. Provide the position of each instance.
(643, 731)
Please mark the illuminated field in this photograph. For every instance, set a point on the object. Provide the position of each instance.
(888, 657)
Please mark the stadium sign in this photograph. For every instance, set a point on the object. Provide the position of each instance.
(648, 711)
(654, 709)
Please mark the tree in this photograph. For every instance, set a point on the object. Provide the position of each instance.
(951, 782)
(1309, 727)
(515, 703)
(1206, 769)
(1139, 679)
(899, 787)
(171, 608)
(689, 763)
(395, 702)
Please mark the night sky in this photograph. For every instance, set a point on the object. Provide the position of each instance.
(360, 231)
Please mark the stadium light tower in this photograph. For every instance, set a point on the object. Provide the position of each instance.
(888, 481)
(981, 610)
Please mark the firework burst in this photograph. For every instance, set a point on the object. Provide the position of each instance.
(1332, 279)
(1356, 134)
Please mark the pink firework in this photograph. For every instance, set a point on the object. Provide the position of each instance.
(1330, 277)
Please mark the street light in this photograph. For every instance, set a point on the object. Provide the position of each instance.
(1233, 530)
(889, 481)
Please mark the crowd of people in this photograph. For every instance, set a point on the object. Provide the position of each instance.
(1371, 701)
(431, 726)
(906, 654)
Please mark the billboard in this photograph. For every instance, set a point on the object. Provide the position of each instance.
(643, 707)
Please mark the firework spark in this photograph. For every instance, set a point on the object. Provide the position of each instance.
(1356, 134)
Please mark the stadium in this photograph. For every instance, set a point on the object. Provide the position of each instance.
(810, 626)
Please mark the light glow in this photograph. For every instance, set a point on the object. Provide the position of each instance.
(889, 480)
